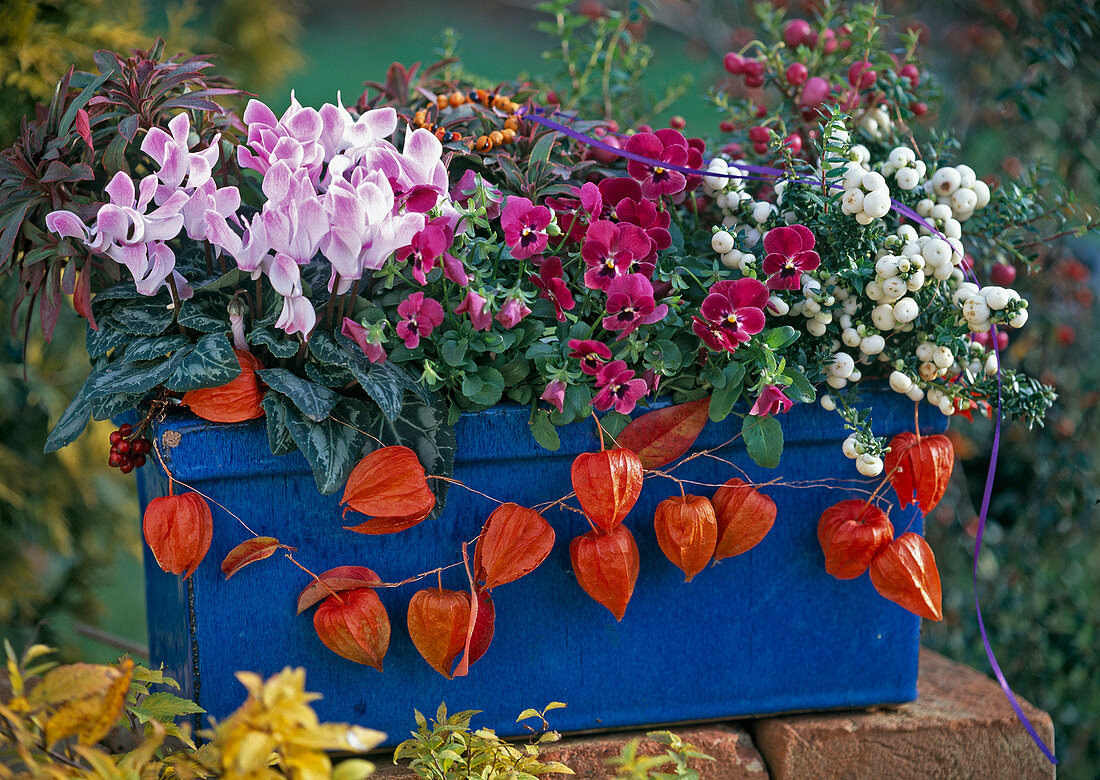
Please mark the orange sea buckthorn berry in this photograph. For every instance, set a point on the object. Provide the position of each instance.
(484, 143)
(511, 107)
(509, 135)
(511, 123)
(441, 102)
(456, 136)
(499, 101)
(496, 137)
(457, 99)
(420, 117)
(440, 133)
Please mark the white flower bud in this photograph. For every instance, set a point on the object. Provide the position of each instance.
(852, 201)
(872, 180)
(947, 406)
(991, 365)
(934, 395)
(941, 211)
(900, 156)
(907, 179)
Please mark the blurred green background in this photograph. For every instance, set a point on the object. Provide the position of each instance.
(1020, 82)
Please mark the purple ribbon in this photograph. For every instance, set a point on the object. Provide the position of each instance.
(765, 173)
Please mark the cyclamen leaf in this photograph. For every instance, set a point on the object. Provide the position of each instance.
(662, 436)
(313, 400)
(124, 378)
(280, 348)
(211, 363)
(141, 319)
(153, 348)
(250, 551)
(334, 581)
(205, 313)
(71, 424)
(331, 446)
(276, 411)
(606, 565)
(514, 542)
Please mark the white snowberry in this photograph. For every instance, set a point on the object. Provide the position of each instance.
(872, 345)
(849, 447)
(906, 310)
(869, 465)
(946, 180)
(900, 382)
(721, 242)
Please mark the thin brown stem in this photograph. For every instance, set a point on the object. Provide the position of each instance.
(316, 579)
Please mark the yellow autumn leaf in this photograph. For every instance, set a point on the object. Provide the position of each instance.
(91, 710)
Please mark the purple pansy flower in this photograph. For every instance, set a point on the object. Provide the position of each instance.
(732, 313)
(664, 146)
(789, 254)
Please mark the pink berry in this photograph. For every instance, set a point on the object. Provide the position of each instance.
(754, 81)
(797, 74)
(920, 108)
(793, 142)
(910, 72)
(1003, 274)
(753, 68)
(861, 76)
(830, 43)
(759, 134)
(760, 148)
(733, 63)
(726, 126)
(677, 122)
(761, 112)
(796, 32)
(814, 91)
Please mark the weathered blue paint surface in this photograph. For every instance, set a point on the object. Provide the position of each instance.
(768, 631)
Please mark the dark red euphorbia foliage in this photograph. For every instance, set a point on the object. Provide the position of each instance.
(606, 565)
(236, 401)
(905, 572)
(851, 534)
(389, 485)
(687, 532)
(919, 468)
(354, 625)
(514, 541)
(607, 484)
(744, 514)
(178, 530)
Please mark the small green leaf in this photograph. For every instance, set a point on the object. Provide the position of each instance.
(723, 399)
(453, 352)
(153, 348)
(800, 388)
(763, 440)
(164, 707)
(141, 319)
(780, 337)
(206, 313)
(315, 401)
(544, 431)
(100, 342)
(212, 363)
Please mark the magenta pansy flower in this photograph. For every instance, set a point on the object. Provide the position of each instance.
(553, 288)
(644, 214)
(618, 388)
(591, 354)
(732, 313)
(630, 304)
(611, 250)
(419, 317)
(524, 227)
(554, 394)
(666, 146)
(789, 254)
(474, 305)
(368, 339)
(427, 246)
(772, 400)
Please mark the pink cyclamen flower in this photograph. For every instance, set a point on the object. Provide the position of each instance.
(630, 304)
(512, 312)
(525, 227)
(665, 146)
(553, 288)
(474, 305)
(554, 394)
(790, 254)
(618, 387)
(612, 250)
(591, 354)
(419, 317)
(368, 339)
(772, 400)
(732, 313)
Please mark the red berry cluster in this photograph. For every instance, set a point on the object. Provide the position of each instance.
(127, 450)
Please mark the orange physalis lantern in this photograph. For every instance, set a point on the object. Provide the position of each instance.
(607, 484)
(687, 532)
(514, 541)
(905, 572)
(919, 468)
(851, 533)
(389, 484)
(744, 514)
(438, 623)
(178, 529)
(606, 565)
(357, 629)
(236, 401)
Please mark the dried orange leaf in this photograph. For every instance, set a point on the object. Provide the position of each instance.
(334, 581)
(662, 436)
(251, 551)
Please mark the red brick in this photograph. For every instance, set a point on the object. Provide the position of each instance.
(961, 726)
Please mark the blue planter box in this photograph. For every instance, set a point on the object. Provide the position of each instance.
(768, 631)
